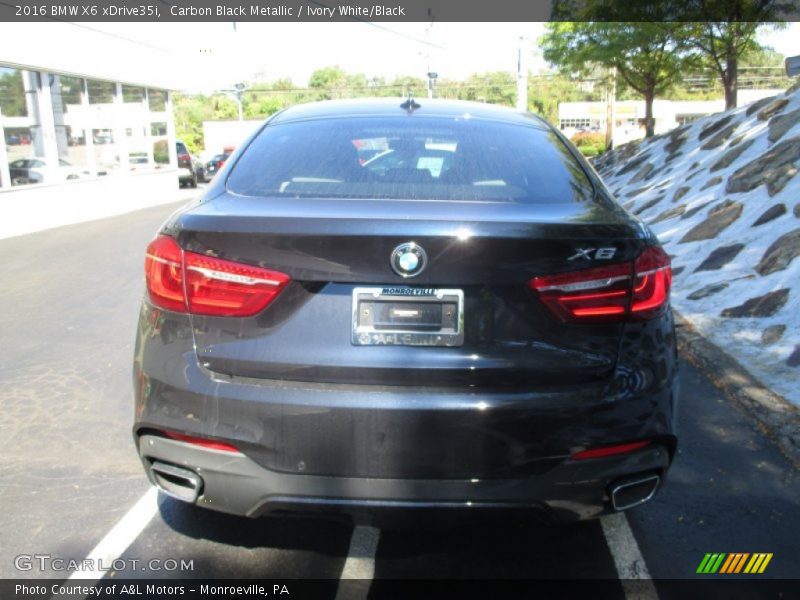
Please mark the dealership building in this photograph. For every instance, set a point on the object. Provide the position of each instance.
(84, 134)
(629, 115)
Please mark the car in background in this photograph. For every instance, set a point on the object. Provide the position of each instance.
(215, 164)
(469, 321)
(138, 161)
(186, 171)
(43, 170)
(200, 170)
(103, 137)
(18, 139)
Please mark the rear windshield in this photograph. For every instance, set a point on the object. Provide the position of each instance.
(415, 158)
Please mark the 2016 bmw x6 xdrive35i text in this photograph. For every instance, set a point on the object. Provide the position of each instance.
(406, 304)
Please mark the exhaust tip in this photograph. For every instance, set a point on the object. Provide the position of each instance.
(634, 491)
(177, 482)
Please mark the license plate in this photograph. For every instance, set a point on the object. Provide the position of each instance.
(408, 316)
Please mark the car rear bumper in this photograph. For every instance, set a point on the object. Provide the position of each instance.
(234, 483)
(352, 448)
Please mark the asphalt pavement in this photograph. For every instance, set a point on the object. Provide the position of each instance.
(70, 474)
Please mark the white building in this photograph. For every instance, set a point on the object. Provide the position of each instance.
(223, 135)
(629, 114)
(85, 123)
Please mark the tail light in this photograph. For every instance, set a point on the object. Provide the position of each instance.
(184, 281)
(163, 269)
(652, 284)
(611, 294)
(604, 451)
(183, 156)
(202, 442)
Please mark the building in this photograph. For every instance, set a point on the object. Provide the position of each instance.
(58, 127)
(221, 135)
(85, 123)
(629, 114)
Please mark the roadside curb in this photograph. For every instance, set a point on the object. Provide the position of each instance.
(775, 415)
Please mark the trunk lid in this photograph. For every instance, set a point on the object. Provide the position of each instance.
(488, 253)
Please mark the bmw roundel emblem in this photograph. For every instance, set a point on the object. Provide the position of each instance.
(408, 260)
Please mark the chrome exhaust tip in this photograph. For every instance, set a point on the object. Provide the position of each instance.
(634, 491)
(177, 482)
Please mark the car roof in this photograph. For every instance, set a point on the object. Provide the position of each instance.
(425, 107)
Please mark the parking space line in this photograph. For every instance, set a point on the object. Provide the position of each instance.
(122, 535)
(628, 560)
(360, 564)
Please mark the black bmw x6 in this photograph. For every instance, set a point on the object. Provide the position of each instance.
(461, 317)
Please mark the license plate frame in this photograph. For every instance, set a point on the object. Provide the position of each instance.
(395, 298)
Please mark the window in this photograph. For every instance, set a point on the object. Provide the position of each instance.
(101, 92)
(20, 114)
(70, 89)
(132, 94)
(402, 158)
(69, 118)
(12, 93)
(157, 99)
(574, 123)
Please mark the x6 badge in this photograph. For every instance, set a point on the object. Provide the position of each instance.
(599, 253)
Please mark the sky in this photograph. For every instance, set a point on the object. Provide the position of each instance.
(205, 57)
(223, 54)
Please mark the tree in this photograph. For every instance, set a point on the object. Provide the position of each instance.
(498, 87)
(404, 85)
(328, 80)
(546, 92)
(723, 31)
(650, 56)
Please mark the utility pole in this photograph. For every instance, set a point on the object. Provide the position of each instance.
(239, 87)
(237, 93)
(611, 96)
(522, 75)
(432, 75)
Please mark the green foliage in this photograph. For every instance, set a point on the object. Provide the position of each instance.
(328, 77)
(161, 152)
(761, 56)
(403, 85)
(723, 33)
(265, 98)
(650, 56)
(546, 92)
(590, 143)
(498, 87)
(329, 80)
(12, 94)
(190, 111)
(262, 107)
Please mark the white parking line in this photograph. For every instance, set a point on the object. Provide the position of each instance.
(120, 537)
(360, 564)
(631, 568)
